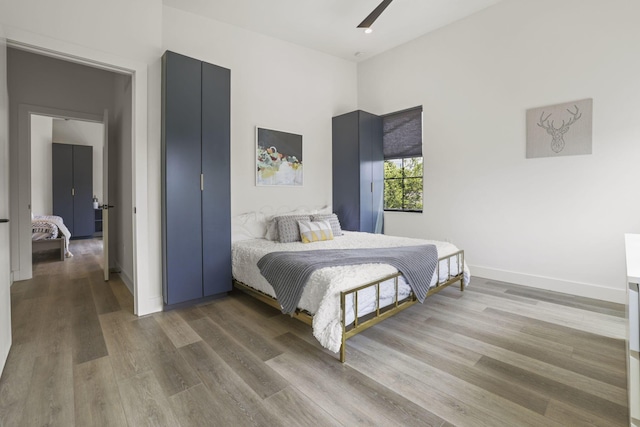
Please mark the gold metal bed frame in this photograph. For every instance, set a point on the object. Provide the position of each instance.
(380, 313)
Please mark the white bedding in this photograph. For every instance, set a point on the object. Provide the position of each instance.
(59, 223)
(321, 296)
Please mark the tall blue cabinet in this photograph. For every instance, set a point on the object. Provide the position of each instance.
(196, 195)
(358, 171)
(72, 187)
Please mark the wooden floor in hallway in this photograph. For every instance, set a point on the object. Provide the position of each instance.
(494, 355)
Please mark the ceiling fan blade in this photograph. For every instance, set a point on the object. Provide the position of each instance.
(369, 20)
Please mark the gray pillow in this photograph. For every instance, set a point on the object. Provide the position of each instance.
(288, 230)
(332, 219)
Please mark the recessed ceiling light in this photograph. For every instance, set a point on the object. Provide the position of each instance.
(368, 30)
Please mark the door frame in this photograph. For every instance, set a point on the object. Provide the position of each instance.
(106, 267)
(145, 299)
(5, 263)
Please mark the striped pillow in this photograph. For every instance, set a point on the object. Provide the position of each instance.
(332, 219)
(315, 231)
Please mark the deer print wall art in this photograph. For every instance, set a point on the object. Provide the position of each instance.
(560, 130)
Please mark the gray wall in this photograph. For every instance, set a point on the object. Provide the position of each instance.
(120, 180)
(49, 83)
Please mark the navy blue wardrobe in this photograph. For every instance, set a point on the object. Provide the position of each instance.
(72, 188)
(358, 171)
(196, 195)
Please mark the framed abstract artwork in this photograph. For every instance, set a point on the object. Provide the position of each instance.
(560, 130)
(278, 158)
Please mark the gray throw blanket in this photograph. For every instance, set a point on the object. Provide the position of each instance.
(288, 272)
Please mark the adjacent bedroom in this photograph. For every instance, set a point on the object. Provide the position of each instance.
(66, 185)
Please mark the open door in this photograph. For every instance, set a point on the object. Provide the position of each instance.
(105, 196)
(5, 281)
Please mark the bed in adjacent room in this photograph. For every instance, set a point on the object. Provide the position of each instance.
(338, 301)
(49, 232)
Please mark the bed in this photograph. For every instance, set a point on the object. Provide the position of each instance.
(49, 232)
(340, 301)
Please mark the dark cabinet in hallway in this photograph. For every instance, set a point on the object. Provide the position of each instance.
(72, 186)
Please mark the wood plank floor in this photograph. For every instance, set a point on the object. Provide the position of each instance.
(494, 355)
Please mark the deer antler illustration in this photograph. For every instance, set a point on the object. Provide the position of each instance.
(557, 143)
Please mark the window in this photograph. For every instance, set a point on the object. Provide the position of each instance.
(403, 163)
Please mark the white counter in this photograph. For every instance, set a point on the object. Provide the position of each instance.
(632, 247)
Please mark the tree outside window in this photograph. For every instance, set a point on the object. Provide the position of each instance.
(403, 184)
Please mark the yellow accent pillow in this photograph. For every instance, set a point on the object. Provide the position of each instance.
(315, 231)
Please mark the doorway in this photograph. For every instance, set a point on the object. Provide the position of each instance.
(62, 89)
(53, 139)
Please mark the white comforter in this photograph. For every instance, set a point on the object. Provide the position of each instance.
(321, 296)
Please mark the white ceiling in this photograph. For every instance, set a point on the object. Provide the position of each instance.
(330, 25)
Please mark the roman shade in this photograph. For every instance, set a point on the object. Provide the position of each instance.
(402, 134)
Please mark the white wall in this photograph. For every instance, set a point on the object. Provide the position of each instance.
(79, 132)
(277, 85)
(41, 134)
(554, 223)
(127, 28)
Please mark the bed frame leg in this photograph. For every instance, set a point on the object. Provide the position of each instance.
(343, 352)
(461, 285)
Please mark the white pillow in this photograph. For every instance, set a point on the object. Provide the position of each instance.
(272, 230)
(250, 225)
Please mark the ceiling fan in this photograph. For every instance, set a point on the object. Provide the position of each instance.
(369, 20)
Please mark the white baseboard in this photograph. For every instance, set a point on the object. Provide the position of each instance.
(587, 290)
(125, 276)
(148, 306)
(19, 275)
(151, 305)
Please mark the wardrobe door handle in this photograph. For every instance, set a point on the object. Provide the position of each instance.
(3, 220)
